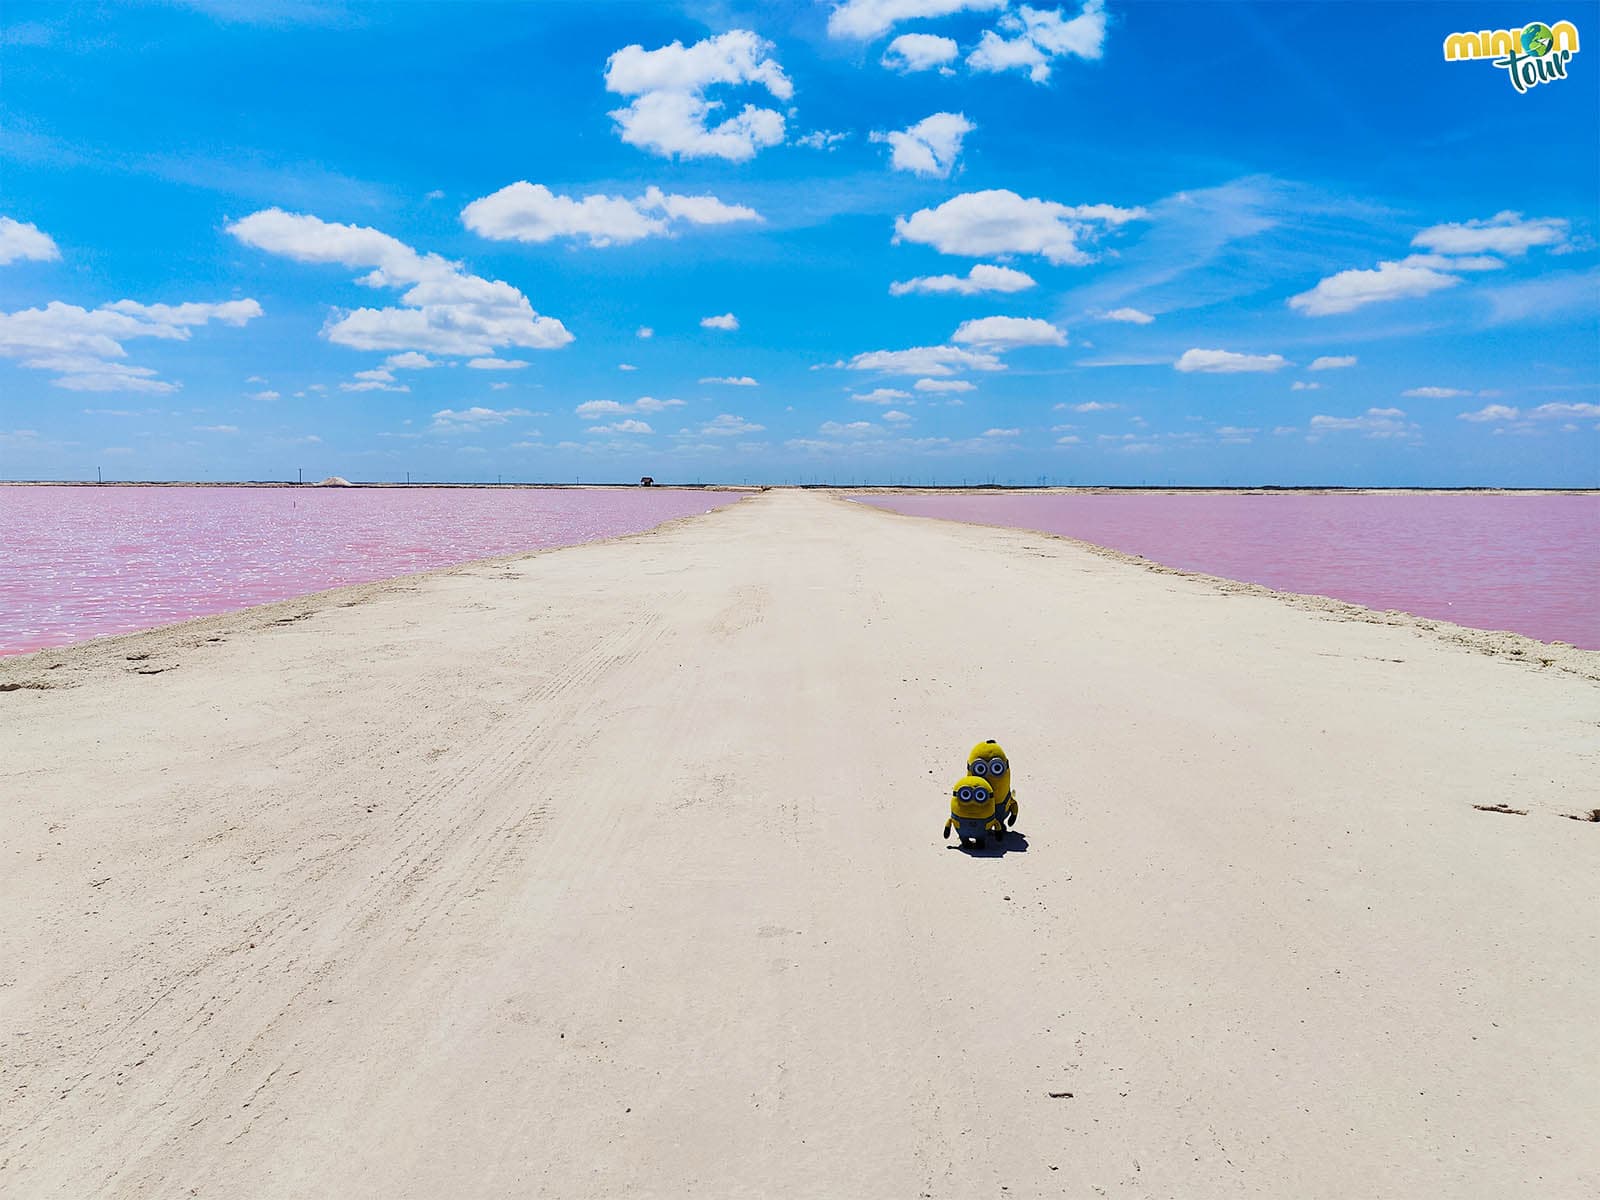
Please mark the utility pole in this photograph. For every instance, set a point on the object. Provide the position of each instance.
(302, 471)
(97, 476)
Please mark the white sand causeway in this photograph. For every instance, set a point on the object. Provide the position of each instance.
(615, 871)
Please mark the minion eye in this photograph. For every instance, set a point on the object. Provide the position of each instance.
(997, 766)
(964, 793)
(980, 767)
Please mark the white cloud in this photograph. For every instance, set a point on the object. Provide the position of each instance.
(629, 426)
(531, 212)
(1503, 233)
(1442, 262)
(1451, 249)
(1545, 296)
(1227, 362)
(1038, 36)
(670, 114)
(409, 361)
(651, 404)
(1300, 385)
(1551, 412)
(981, 278)
(473, 420)
(1375, 423)
(447, 311)
(944, 385)
(1131, 316)
(726, 321)
(626, 367)
(373, 386)
(729, 425)
(731, 380)
(216, 429)
(591, 409)
(1435, 393)
(645, 332)
(849, 429)
(894, 414)
(1332, 362)
(925, 360)
(84, 373)
(995, 53)
(867, 19)
(1091, 406)
(930, 147)
(696, 210)
(1492, 412)
(1002, 433)
(82, 346)
(1008, 331)
(1071, 439)
(821, 139)
(920, 52)
(377, 380)
(881, 396)
(1349, 290)
(499, 387)
(269, 394)
(987, 223)
(21, 241)
(232, 312)
(528, 212)
(498, 364)
(1544, 412)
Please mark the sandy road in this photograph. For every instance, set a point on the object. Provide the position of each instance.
(615, 871)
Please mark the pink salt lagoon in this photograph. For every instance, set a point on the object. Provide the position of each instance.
(1526, 563)
(79, 562)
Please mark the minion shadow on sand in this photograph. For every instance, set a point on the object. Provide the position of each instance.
(983, 804)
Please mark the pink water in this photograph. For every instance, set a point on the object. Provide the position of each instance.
(79, 562)
(1530, 564)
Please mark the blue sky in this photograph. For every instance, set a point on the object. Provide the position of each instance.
(886, 240)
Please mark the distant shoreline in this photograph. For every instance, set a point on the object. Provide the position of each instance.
(1264, 489)
(331, 487)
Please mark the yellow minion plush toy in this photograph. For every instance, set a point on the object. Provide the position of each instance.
(989, 763)
(972, 812)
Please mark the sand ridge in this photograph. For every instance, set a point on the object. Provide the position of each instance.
(615, 871)
(1531, 652)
